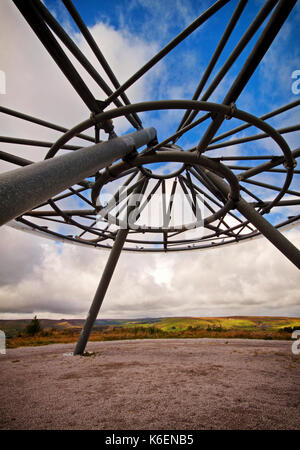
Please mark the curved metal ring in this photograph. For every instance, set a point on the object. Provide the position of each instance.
(192, 105)
(150, 174)
(171, 156)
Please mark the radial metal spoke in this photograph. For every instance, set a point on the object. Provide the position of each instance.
(197, 188)
(171, 201)
(24, 188)
(14, 159)
(243, 158)
(242, 228)
(43, 229)
(187, 196)
(252, 29)
(201, 176)
(35, 143)
(69, 43)
(242, 188)
(174, 137)
(222, 221)
(226, 35)
(164, 215)
(139, 189)
(194, 206)
(70, 221)
(41, 122)
(101, 291)
(268, 35)
(77, 194)
(142, 193)
(164, 204)
(207, 205)
(185, 33)
(269, 186)
(121, 195)
(266, 116)
(91, 226)
(50, 219)
(71, 212)
(63, 196)
(276, 161)
(279, 204)
(251, 168)
(149, 196)
(188, 182)
(136, 121)
(254, 137)
(34, 19)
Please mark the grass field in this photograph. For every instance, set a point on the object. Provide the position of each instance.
(66, 331)
(170, 324)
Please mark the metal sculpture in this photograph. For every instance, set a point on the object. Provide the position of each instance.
(221, 192)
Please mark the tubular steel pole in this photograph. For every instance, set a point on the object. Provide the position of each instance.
(101, 291)
(106, 277)
(271, 233)
(27, 187)
(262, 225)
(265, 40)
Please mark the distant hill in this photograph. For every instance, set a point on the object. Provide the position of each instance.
(13, 327)
(167, 324)
(239, 323)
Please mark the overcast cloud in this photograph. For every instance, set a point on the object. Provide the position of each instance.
(39, 276)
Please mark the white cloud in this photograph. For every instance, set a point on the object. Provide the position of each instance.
(36, 86)
(45, 278)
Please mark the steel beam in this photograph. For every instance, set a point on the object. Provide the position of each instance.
(262, 225)
(264, 117)
(25, 188)
(41, 122)
(101, 291)
(14, 159)
(106, 277)
(226, 35)
(163, 52)
(265, 40)
(245, 39)
(100, 57)
(32, 16)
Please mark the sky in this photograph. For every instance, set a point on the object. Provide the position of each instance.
(55, 280)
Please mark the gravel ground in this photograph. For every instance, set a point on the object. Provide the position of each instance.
(190, 384)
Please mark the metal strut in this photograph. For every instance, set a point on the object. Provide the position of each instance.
(25, 188)
(106, 276)
(101, 291)
(262, 225)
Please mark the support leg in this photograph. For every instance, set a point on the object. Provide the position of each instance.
(270, 232)
(101, 291)
(267, 229)
(27, 187)
(134, 202)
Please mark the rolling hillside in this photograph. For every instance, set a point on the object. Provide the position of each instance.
(14, 327)
(245, 323)
(166, 324)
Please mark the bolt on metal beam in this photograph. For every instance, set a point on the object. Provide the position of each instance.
(25, 188)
